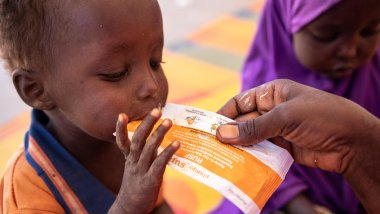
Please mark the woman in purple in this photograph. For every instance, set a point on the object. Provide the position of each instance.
(332, 45)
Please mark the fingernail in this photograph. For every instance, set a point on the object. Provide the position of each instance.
(155, 112)
(175, 143)
(229, 131)
(120, 118)
(166, 123)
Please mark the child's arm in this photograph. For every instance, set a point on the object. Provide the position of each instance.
(143, 170)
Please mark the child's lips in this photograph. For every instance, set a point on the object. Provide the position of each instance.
(139, 117)
(135, 119)
(343, 71)
(142, 116)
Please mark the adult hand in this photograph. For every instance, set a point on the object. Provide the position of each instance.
(319, 130)
(315, 126)
(143, 172)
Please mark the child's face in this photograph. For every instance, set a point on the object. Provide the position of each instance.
(340, 40)
(107, 62)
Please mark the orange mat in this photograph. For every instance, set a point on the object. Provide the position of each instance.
(203, 71)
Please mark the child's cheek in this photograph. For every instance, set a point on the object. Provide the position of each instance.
(99, 121)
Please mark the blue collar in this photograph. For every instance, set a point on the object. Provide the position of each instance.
(75, 188)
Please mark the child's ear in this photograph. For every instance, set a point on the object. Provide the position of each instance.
(31, 89)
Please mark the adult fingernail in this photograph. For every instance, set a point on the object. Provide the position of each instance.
(229, 131)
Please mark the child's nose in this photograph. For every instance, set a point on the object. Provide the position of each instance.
(149, 86)
(349, 48)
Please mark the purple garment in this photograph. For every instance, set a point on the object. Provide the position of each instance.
(272, 57)
(226, 207)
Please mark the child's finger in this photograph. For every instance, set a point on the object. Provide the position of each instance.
(150, 150)
(122, 139)
(159, 164)
(142, 132)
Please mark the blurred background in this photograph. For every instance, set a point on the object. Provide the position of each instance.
(205, 45)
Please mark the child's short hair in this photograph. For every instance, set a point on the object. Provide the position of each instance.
(26, 33)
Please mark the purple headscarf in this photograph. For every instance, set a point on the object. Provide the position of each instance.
(272, 57)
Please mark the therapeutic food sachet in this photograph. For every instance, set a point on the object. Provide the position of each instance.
(247, 176)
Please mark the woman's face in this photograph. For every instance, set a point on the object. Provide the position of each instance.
(340, 40)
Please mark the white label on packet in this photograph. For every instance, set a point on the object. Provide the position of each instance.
(247, 176)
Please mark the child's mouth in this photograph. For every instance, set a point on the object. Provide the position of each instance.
(142, 116)
(159, 106)
(343, 72)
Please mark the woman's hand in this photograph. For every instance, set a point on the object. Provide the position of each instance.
(143, 170)
(318, 129)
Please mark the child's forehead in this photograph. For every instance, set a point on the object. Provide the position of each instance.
(351, 12)
(102, 10)
(93, 29)
(105, 18)
(76, 12)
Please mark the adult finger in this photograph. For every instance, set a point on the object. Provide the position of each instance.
(248, 116)
(159, 164)
(230, 109)
(150, 150)
(250, 132)
(260, 99)
(122, 139)
(142, 132)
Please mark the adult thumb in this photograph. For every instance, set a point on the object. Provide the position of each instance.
(251, 131)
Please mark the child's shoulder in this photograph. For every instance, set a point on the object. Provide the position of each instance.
(22, 189)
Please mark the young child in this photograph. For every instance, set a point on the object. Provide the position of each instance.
(332, 45)
(81, 65)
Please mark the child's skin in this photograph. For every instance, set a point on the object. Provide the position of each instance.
(141, 164)
(335, 44)
(340, 40)
(107, 61)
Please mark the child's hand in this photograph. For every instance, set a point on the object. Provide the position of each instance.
(143, 170)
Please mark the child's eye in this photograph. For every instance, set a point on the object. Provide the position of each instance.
(370, 31)
(113, 77)
(155, 65)
(324, 37)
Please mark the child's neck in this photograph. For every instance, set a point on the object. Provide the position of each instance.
(102, 159)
